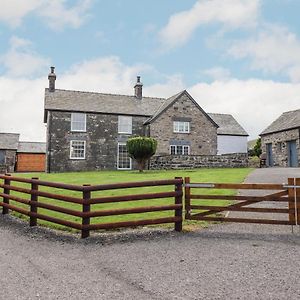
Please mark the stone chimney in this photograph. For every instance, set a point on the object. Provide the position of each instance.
(138, 88)
(52, 78)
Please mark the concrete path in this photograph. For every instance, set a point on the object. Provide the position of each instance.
(225, 261)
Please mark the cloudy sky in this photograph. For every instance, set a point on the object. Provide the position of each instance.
(233, 56)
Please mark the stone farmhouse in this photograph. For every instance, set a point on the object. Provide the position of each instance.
(88, 130)
(281, 140)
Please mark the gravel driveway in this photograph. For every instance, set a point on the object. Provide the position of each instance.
(225, 261)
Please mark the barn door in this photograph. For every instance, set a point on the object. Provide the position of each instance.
(292, 154)
(270, 161)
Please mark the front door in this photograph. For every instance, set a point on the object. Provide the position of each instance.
(292, 154)
(270, 161)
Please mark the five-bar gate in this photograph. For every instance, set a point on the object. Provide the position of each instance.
(196, 206)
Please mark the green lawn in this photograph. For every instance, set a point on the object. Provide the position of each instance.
(104, 177)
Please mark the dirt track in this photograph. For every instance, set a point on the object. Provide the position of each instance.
(230, 261)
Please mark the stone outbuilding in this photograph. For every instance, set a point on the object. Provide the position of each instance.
(281, 140)
(8, 150)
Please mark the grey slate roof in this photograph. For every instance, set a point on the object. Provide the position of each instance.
(9, 141)
(102, 103)
(31, 147)
(67, 100)
(288, 120)
(228, 125)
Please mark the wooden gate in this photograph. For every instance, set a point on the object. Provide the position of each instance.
(286, 195)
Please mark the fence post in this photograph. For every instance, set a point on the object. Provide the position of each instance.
(6, 191)
(86, 207)
(34, 200)
(291, 195)
(187, 197)
(178, 200)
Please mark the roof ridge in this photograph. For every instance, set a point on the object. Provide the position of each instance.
(219, 114)
(289, 111)
(108, 94)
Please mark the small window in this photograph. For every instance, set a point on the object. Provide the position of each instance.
(124, 161)
(77, 150)
(179, 150)
(125, 125)
(181, 127)
(78, 122)
(2, 157)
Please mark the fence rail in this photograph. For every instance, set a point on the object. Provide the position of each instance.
(86, 202)
(285, 193)
(25, 196)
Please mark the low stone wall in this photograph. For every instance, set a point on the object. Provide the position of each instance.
(234, 160)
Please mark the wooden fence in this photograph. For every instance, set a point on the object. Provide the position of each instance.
(86, 201)
(284, 193)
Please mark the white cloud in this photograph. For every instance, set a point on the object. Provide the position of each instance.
(230, 13)
(12, 12)
(21, 59)
(21, 102)
(105, 74)
(255, 103)
(56, 13)
(274, 50)
(218, 73)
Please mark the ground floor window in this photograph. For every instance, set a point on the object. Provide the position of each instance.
(124, 161)
(179, 150)
(77, 149)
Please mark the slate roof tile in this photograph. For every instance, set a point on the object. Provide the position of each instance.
(228, 125)
(9, 141)
(288, 120)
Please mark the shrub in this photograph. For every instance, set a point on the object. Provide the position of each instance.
(257, 148)
(141, 149)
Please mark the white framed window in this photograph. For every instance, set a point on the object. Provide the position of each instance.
(77, 149)
(124, 162)
(181, 127)
(125, 124)
(78, 122)
(179, 149)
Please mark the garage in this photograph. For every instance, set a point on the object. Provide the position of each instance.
(31, 157)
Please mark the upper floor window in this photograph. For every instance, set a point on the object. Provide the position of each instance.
(78, 122)
(125, 124)
(181, 127)
(77, 149)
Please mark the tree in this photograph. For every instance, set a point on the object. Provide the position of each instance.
(141, 149)
(257, 148)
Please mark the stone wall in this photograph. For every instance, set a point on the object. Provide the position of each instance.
(101, 138)
(202, 138)
(234, 160)
(10, 161)
(280, 146)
